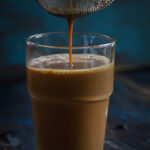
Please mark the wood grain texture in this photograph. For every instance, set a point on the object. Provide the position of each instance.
(128, 120)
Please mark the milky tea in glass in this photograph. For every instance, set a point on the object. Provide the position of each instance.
(70, 105)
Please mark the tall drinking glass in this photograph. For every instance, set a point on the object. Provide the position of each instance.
(70, 104)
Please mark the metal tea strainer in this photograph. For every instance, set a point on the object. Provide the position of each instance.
(73, 8)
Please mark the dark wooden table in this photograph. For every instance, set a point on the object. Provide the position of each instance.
(128, 121)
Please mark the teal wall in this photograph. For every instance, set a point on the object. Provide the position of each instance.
(128, 21)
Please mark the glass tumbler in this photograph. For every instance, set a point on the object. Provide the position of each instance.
(70, 104)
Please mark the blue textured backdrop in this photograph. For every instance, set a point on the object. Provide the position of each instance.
(128, 21)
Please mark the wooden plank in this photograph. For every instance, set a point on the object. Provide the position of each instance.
(128, 122)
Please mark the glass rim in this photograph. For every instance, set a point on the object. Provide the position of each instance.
(30, 43)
